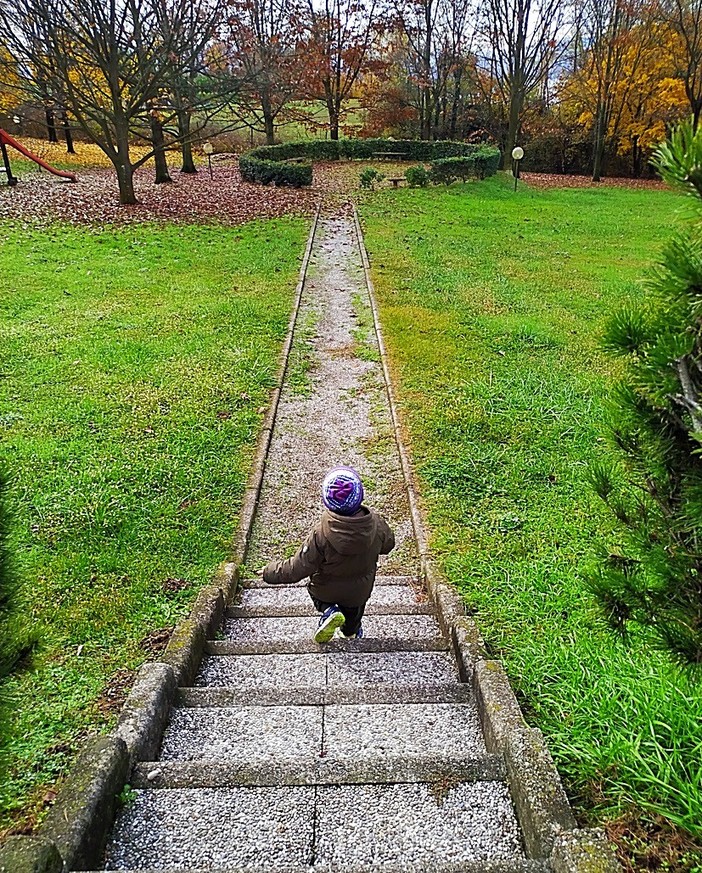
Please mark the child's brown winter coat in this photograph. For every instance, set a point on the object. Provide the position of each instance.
(340, 556)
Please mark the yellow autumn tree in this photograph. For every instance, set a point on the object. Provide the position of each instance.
(10, 82)
(644, 94)
(653, 100)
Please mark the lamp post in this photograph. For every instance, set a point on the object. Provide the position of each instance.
(208, 148)
(517, 155)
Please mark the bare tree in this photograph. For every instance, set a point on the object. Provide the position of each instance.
(616, 47)
(338, 48)
(112, 60)
(262, 45)
(418, 19)
(438, 37)
(524, 39)
(684, 17)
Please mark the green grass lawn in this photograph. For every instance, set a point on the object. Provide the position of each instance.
(492, 305)
(134, 367)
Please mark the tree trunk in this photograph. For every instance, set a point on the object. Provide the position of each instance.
(426, 114)
(50, 124)
(457, 83)
(159, 143)
(270, 129)
(125, 179)
(599, 146)
(333, 111)
(636, 158)
(67, 132)
(123, 162)
(268, 117)
(186, 146)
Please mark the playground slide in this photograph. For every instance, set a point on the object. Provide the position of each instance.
(6, 139)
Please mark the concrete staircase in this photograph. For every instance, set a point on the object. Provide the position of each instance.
(353, 756)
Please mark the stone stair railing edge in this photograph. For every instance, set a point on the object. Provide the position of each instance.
(75, 831)
(544, 813)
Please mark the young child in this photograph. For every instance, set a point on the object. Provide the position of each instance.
(340, 555)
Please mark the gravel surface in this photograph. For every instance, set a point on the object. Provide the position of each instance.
(387, 595)
(249, 734)
(302, 627)
(335, 413)
(444, 730)
(398, 668)
(214, 827)
(339, 668)
(246, 671)
(415, 824)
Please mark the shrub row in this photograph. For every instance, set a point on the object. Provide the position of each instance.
(254, 169)
(479, 165)
(272, 163)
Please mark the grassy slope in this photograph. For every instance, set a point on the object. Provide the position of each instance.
(134, 365)
(491, 305)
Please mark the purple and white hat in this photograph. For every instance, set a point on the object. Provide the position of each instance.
(342, 490)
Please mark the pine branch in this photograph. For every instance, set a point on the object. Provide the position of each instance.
(688, 398)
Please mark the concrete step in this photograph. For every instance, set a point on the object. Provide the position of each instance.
(295, 628)
(305, 608)
(345, 669)
(307, 646)
(252, 734)
(337, 826)
(413, 581)
(213, 773)
(386, 600)
(304, 695)
(437, 867)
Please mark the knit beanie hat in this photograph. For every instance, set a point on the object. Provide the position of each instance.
(342, 490)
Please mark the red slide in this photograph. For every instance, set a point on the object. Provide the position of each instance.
(6, 139)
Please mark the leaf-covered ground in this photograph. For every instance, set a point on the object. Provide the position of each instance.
(193, 199)
(558, 180)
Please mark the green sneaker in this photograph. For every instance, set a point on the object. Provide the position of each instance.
(331, 619)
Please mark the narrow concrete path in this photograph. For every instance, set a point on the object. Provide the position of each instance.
(354, 756)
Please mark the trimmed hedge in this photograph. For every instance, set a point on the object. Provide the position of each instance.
(479, 165)
(267, 164)
(254, 169)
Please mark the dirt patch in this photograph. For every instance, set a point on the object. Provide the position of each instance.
(155, 643)
(173, 585)
(647, 842)
(115, 692)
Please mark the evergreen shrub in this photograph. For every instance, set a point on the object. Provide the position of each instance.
(369, 177)
(417, 177)
(267, 164)
(651, 576)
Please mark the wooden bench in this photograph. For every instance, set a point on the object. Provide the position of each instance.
(398, 156)
(396, 180)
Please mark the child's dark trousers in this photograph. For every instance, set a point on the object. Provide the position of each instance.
(352, 614)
